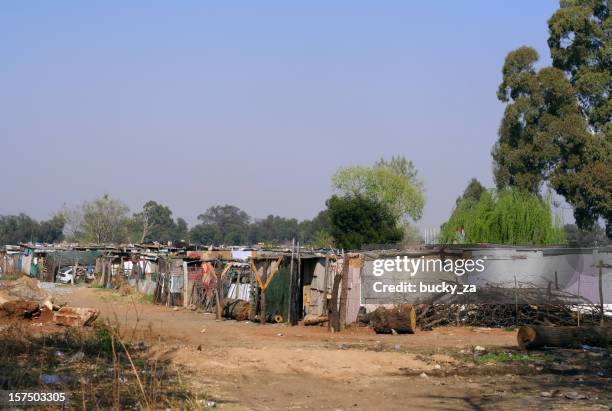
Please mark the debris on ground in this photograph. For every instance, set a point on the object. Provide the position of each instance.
(25, 288)
(75, 316)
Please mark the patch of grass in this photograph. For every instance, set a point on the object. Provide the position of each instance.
(139, 362)
(147, 299)
(11, 276)
(510, 357)
(103, 340)
(509, 329)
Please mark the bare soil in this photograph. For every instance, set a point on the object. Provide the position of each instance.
(247, 366)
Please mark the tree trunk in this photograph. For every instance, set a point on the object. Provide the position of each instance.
(538, 336)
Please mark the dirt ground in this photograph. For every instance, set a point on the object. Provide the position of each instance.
(246, 366)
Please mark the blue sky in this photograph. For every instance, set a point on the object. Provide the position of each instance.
(254, 104)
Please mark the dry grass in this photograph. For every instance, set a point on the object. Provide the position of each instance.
(95, 366)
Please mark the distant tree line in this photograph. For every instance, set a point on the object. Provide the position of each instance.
(371, 205)
(15, 229)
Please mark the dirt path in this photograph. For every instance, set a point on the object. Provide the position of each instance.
(242, 365)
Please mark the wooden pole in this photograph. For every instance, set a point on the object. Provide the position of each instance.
(262, 296)
(298, 287)
(580, 306)
(290, 312)
(59, 266)
(334, 317)
(344, 293)
(325, 282)
(254, 297)
(515, 303)
(74, 271)
(601, 266)
(219, 291)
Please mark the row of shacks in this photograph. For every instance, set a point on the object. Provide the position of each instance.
(285, 285)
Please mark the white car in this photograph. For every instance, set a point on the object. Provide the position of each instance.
(65, 275)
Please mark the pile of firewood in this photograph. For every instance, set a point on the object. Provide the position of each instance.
(505, 315)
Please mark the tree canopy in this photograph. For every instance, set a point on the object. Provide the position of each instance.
(357, 221)
(393, 183)
(104, 220)
(556, 128)
(155, 223)
(508, 216)
(15, 229)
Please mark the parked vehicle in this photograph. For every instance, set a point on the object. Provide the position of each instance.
(65, 275)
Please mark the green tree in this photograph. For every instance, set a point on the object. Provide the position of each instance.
(231, 221)
(357, 221)
(205, 234)
(155, 223)
(541, 122)
(15, 229)
(104, 220)
(182, 230)
(308, 229)
(321, 239)
(52, 230)
(273, 229)
(472, 192)
(393, 183)
(577, 237)
(580, 42)
(503, 217)
(557, 126)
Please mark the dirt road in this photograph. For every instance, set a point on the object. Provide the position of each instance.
(241, 365)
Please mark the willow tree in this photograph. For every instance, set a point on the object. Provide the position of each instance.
(504, 217)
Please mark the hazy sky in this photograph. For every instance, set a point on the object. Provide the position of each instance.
(252, 103)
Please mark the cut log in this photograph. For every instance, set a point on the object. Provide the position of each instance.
(312, 319)
(538, 336)
(401, 319)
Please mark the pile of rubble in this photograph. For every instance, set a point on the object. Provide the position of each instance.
(23, 299)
